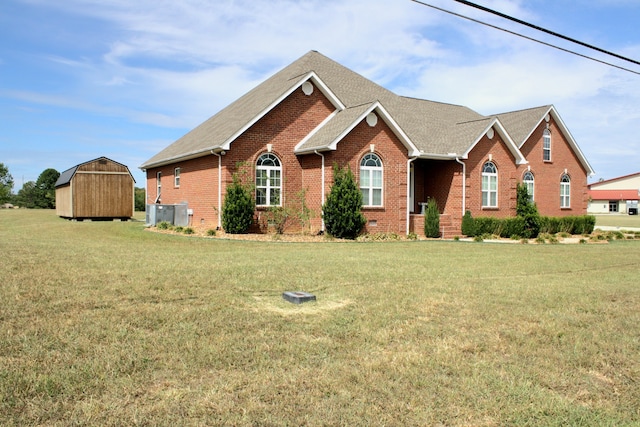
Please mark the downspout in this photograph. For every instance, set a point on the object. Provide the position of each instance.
(322, 188)
(219, 208)
(409, 190)
(464, 185)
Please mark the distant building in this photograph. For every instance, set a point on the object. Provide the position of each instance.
(616, 195)
(98, 189)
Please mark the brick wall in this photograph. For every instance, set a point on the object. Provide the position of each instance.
(495, 150)
(547, 174)
(392, 216)
(283, 127)
(289, 122)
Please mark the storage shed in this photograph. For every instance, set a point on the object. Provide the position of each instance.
(99, 189)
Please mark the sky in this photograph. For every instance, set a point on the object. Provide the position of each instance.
(81, 79)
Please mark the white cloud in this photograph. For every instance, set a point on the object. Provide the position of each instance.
(172, 64)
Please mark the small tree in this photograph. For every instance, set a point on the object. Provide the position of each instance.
(238, 207)
(6, 184)
(140, 199)
(342, 210)
(46, 188)
(526, 209)
(432, 219)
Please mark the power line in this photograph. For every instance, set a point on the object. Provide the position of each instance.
(544, 30)
(524, 37)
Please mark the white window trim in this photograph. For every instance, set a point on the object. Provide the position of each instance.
(369, 171)
(565, 192)
(546, 145)
(158, 185)
(176, 177)
(268, 187)
(491, 176)
(530, 184)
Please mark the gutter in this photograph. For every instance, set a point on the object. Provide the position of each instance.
(219, 208)
(409, 190)
(464, 185)
(322, 186)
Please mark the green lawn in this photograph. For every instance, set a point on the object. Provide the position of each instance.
(620, 220)
(106, 324)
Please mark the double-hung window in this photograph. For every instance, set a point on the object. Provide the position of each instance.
(176, 177)
(546, 146)
(268, 180)
(565, 191)
(158, 186)
(371, 180)
(489, 185)
(528, 181)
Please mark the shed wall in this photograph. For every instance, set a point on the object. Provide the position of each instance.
(100, 195)
(63, 201)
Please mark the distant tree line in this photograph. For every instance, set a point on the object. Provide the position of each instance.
(41, 194)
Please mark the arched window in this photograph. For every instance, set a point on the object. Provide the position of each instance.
(528, 181)
(546, 145)
(489, 185)
(565, 191)
(268, 180)
(371, 180)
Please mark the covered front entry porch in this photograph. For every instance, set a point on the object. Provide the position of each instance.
(441, 180)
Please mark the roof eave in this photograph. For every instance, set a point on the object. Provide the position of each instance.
(388, 119)
(571, 140)
(511, 145)
(181, 158)
(226, 145)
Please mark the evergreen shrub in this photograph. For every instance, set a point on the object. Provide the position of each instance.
(238, 207)
(342, 210)
(468, 225)
(432, 219)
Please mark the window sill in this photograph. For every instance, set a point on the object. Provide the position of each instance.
(373, 208)
(490, 208)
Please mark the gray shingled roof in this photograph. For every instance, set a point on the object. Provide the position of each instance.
(521, 123)
(435, 129)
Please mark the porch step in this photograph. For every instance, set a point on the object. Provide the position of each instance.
(448, 228)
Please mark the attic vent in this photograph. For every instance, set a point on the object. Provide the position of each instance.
(102, 162)
(307, 88)
(490, 133)
(372, 119)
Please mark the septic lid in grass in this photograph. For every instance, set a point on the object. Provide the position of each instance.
(298, 297)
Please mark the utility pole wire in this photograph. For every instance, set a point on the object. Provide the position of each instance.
(524, 37)
(544, 30)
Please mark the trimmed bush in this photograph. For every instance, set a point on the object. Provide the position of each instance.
(468, 225)
(432, 219)
(528, 226)
(342, 210)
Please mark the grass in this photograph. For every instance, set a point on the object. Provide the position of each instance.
(620, 220)
(104, 323)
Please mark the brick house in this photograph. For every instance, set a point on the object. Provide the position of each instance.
(315, 113)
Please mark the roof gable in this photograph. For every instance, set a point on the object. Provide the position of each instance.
(623, 178)
(492, 126)
(521, 125)
(428, 129)
(66, 176)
